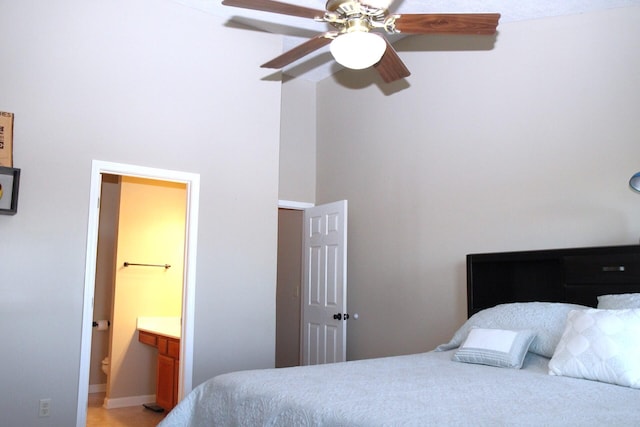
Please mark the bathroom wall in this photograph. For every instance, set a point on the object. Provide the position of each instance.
(289, 278)
(151, 229)
(103, 296)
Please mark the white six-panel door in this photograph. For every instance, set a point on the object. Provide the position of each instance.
(324, 295)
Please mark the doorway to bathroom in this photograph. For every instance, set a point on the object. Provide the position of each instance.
(141, 280)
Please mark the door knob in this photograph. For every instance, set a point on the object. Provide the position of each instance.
(338, 316)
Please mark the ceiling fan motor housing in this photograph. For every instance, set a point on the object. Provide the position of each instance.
(350, 15)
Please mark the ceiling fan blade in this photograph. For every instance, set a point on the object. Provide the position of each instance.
(390, 67)
(301, 50)
(451, 23)
(276, 7)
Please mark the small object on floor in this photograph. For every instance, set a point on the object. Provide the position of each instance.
(153, 407)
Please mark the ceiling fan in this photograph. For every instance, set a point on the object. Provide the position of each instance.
(354, 44)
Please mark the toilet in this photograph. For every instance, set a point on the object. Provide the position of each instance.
(105, 365)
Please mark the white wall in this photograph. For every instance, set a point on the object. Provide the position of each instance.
(528, 145)
(145, 82)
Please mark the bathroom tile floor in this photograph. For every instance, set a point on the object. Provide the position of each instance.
(134, 416)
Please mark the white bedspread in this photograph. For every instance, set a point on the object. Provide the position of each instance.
(416, 390)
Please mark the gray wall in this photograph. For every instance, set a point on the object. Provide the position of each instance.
(298, 141)
(142, 82)
(528, 145)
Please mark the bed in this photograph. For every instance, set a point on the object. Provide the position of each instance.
(561, 348)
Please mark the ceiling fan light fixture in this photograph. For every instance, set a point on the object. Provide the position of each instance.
(358, 50)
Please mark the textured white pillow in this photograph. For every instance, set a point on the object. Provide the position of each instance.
(495, 347)
(617, 301)
(600, 345)
(545, 319)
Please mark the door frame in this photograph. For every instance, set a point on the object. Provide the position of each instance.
(192, 181)
(290, 204)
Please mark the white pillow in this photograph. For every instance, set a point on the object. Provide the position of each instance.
(618, 301)
(545, 319)
(600, 345)
(495, 347)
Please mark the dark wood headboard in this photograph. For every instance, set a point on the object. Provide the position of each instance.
(576, 275)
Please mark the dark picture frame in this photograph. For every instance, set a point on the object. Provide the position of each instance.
(9, 184)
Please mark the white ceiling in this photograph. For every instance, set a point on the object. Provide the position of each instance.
(320, 64)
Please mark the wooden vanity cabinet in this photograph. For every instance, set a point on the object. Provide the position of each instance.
(166, 390)
(167, 372)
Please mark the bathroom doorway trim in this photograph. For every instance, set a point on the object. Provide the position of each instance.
(192, 182)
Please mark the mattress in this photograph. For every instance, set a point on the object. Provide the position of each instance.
(412, 390)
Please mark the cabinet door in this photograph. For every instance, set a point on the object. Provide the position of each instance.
(165, 382)
(176, 381)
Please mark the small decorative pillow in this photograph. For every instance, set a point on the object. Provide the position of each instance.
(495, 347)
(600, 345)
(618, 301)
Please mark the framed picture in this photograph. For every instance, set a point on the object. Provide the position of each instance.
(6, 139)
(9, 183)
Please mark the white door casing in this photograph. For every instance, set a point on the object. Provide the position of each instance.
(192, 181)
(324, 294)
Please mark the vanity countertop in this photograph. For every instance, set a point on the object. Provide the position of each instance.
(166, 326)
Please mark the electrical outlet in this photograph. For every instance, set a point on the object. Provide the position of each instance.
(45, 407)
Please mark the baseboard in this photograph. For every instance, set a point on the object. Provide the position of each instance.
(123, 402)
(97, 388)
